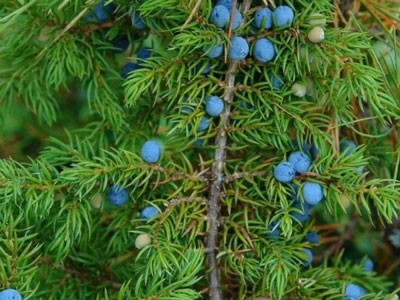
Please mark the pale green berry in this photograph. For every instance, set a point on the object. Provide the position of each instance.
(316, 35)
(299, 89)
(142, 241)
(394, 297)
(96, 201)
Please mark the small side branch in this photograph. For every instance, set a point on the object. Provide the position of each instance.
(64, 31)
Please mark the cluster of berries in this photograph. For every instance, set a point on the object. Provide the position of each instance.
(118, 196)
(100, 13)
(299, 162)
(264, 18)
(264, 49)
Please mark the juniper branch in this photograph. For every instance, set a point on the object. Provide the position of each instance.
(217, 179)
(216, 186)
(64, 31)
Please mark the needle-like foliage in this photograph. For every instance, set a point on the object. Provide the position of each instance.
(226, 228)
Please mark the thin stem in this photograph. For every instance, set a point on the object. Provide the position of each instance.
(64, 31)
(238, 175)
(215, 188)
(218, 179)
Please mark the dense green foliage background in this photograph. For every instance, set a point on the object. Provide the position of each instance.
(71, 127)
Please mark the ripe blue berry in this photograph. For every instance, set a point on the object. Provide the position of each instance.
(205, 68)
(127, 68)
(151, 151)
(203, 124)
(283, 15)
(186, 109)
(273, 231)
(263, 50)
(302, 212)
(239, 48)
(300, 161)
(220, 16)
(198, 143)
(276, 81)
(213, 51)
(101, 12)
(143, 53)
(121, 44)
(312, 237)
(314, 152)
(137, 21)
(284, 172)
(354, 290)
(309, 257)
(10, 294)
(237, 19)
(368, 265)
(118, 195)
(214, 106)
(263, 16)
(312, 193)
(149, 212)
(347, 147)
(227, 3)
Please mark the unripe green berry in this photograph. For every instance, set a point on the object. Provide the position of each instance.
(316, 35)
(142, 240)
(299, 89)
(96, 201)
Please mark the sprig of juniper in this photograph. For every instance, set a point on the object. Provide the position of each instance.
(50, 202)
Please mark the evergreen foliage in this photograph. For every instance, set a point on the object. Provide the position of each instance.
(64, 78)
